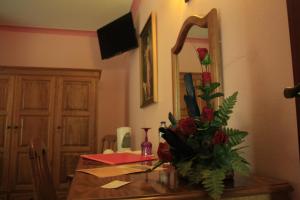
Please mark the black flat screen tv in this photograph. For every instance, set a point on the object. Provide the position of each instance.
(117, 37)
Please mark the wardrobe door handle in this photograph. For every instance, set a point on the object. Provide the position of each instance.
(8, 127)
(16, 127)
(59, 127)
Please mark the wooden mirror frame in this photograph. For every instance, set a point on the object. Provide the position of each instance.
(210, 21)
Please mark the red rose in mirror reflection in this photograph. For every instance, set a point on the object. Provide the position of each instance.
(202, 52)
(187, 126)
(220, 137)
(206, 78)
(164, 153)
(207, 114)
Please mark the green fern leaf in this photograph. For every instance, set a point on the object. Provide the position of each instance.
(213, 182)
(222, 116)
(239, 148)
(184, 168)
(195, 176)
(235, 136)
(240, 165)
(216, 123)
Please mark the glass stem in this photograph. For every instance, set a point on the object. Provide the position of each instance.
(146, 137)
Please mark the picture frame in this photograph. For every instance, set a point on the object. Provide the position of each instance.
(148, 62)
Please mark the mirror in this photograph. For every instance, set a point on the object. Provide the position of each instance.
(196, 32)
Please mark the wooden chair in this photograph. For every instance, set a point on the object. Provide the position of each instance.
(43, 185)
(109, 142)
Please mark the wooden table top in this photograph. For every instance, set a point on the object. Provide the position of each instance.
(162, 185)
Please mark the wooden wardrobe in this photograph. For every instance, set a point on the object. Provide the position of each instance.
(59, 105)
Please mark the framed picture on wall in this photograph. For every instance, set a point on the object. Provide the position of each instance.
(148, 82)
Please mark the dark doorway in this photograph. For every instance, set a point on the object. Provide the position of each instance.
(293, 7)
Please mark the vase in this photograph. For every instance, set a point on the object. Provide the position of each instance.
(229, 179)
(146, 146)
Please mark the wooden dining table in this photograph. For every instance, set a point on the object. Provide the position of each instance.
(165, 185)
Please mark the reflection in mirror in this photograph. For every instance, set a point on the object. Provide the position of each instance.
(188, 62)
(196, 32)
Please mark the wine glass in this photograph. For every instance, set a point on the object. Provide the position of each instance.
(146, 146)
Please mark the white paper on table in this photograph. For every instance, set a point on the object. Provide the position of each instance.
(115, 184)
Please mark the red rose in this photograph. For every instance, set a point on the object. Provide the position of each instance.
(207, 114)
(206, 78)
(187, 126)
(164, 153)
(202, 52)
(220, 137)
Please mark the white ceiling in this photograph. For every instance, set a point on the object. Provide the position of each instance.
(86, 15)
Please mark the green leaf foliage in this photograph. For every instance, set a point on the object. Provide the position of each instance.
(240, 165)
(205, 97)
(236, 136)
(196, 175)
(213, 182)
(215, 95)
(184, 168)
(207, 60)
(222, 116)
(222, 155)
(193, 143)
(209, 88)
(206, 92)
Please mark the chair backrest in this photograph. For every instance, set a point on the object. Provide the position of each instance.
(109, 142)
(43, 185)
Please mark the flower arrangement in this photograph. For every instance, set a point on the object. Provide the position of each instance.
(201, 147)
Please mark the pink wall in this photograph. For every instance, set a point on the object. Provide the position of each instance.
(74, 49)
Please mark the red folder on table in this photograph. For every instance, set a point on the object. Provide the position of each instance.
(118, 158)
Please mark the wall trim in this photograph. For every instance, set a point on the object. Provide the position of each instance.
(48, 31)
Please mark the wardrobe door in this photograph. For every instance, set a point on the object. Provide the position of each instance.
(33, 117)
(74, 123)
(6, 99)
